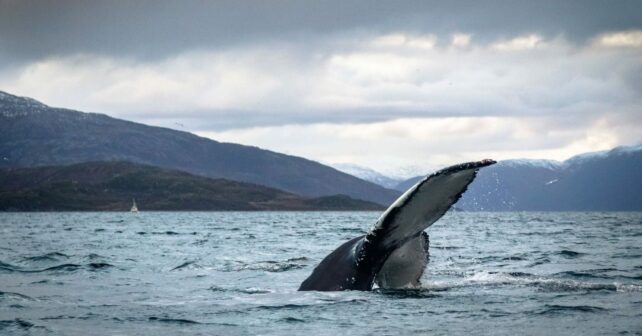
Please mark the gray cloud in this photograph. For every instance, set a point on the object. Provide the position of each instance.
(456, 80)
(150, 29)
(369, 78)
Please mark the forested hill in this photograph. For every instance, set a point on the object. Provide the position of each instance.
(111, 186)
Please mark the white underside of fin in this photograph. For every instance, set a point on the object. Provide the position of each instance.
(404, 266)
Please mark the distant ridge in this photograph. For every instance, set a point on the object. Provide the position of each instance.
(33, 134)
(111, 186)
(368, 175)
(600, 181)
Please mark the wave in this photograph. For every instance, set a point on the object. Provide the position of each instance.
(273, 266)
(407, 293)
(188, 264)
(266, 266)
(169, 233)
(562, 309)
(352, 230)
(51, 256)
(48, 281)
(335, 301)
(99, 265)
(58, 268)
(15, 323)
(94, 256)
(180, 321)
(238, 266)
(540, 261)
(437, 247)
(513, 258)
(200, 242)
(11, 268)
(598, 273)
(5, 266)
(250, 290)
(63, 267)
(173, 320)
(634, 256)
(542, 283)
(628, 288)
(12, 295)
(67, 317)
(579, 274)
(570, 254)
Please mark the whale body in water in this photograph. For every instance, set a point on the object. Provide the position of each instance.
(394, 252)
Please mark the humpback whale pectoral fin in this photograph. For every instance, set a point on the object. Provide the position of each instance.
(417, 209)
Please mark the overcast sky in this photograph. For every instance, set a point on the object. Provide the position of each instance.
(398, 86)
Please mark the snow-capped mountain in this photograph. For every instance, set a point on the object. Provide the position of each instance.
(592, 156)
(597, 181)
(13, 106)
(546, 164)
(368, 174)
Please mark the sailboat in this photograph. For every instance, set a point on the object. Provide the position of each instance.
(134, 207)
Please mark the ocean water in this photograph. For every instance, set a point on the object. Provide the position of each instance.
(236, 273)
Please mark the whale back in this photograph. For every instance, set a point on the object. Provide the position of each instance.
(337, 271)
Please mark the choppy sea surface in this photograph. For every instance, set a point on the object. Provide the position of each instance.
(236, 273)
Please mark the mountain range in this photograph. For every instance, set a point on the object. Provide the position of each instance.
(100, 186)
(600, 181)
(33, 134)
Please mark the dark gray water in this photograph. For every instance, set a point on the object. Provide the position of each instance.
(236, 274)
